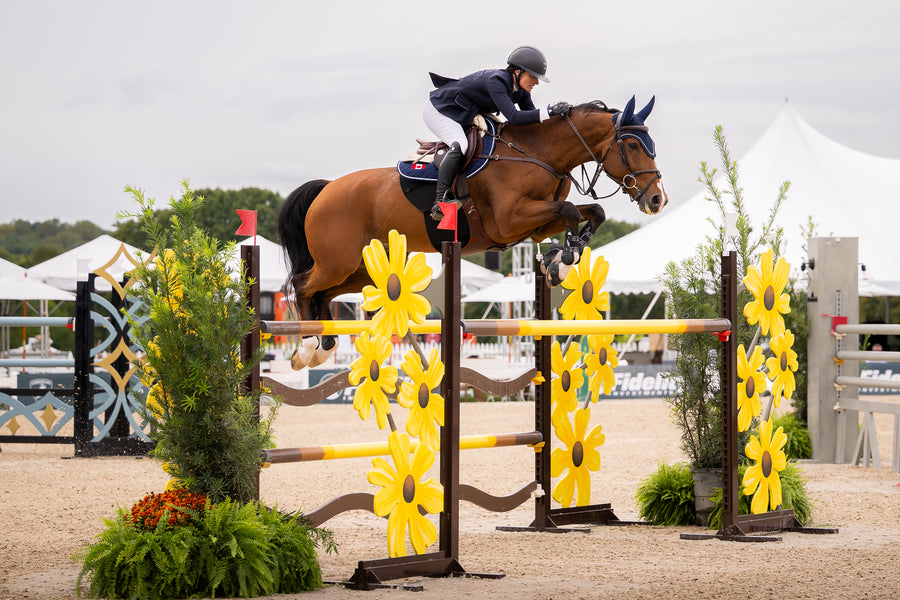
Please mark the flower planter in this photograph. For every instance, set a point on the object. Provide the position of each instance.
(706, 481)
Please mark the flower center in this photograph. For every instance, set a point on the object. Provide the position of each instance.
(424, 395)
(409, 489)
(587, 292)
(374, 369)
(766, 463)
(784, 361)
(393, 287)
(769, 298)
(601, 356)
(566, 380)
(750, 387)
(577, 454)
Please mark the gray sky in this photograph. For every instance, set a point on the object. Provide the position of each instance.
(100, 95)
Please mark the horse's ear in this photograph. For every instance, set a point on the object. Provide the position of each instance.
(645, 112)
(628, 113)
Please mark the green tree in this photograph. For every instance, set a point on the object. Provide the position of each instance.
(202, 418)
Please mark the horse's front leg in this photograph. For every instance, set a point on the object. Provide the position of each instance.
(557, 261)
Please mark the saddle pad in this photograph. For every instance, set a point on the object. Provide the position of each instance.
(426, 171)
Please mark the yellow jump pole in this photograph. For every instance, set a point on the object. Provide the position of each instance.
(620, 326)
(338, 451)
(507, 327)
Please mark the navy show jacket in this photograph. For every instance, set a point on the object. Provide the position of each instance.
(488, 91)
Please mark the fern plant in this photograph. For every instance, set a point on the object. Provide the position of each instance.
(228, 549)
(793, 496)
(666, 497)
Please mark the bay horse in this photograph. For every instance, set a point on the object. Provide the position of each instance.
(324, 225)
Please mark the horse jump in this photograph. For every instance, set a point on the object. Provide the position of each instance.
(445, 560)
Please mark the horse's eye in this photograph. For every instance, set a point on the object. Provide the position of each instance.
(633, 146)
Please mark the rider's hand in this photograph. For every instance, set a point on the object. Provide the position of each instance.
(560, 108)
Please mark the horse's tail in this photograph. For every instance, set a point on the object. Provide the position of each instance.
(292, 229)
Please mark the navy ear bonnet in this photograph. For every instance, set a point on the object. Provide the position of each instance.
(630, 124)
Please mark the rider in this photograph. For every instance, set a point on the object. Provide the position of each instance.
(451, 107)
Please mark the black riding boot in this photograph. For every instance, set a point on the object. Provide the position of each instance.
(446, 173)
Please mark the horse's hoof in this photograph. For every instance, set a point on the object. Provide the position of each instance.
(296, 362)
(321, 355)
(305, 352)
(568, 256)
(552, 276)
(563, 271)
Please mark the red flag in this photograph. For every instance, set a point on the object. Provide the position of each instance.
(449, 220)
(248, 222)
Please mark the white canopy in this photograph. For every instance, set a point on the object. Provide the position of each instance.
(843, 191)
(8, 268)
(272, 270)
(23, 288)
(65, 270)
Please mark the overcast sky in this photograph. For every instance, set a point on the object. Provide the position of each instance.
(100, 95)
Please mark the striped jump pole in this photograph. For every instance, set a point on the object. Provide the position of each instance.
(369, 449)
(511, 327)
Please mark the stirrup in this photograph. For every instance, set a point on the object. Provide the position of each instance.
(437, 214)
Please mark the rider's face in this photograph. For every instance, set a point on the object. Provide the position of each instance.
(527, 81)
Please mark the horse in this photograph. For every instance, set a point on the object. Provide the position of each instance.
(324, 225)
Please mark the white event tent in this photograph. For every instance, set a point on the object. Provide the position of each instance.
(65, 270)
(843, 191)
(273, 270)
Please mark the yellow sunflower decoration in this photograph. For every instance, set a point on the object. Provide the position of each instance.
(751, 381)
(579, 457)
(761, 479)
(586, 301)
(402, 494)
(782, 367)
(374, 381)
(599, 364)
(770, 304)
(426, 408)
(397, 281)
(564, 387)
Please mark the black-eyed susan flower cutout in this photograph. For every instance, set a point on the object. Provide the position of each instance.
(782, 367)
(397, 283)
(373, 379)
(750, 383)
(403, 494)
(587, 300)
(762, 479)
(426, 408)
(578, 458)
(770, 303)
(564, 387)
(599, 364)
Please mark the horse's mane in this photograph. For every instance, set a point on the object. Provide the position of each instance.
(596, 106)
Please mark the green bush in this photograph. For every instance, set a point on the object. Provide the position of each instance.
(229, 549)
(798, 443)
(793, 496)
(666, 497)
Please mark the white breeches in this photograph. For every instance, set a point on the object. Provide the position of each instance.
(447, 130)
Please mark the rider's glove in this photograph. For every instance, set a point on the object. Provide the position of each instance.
(560, 108)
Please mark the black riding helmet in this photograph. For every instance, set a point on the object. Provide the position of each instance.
(529, 58)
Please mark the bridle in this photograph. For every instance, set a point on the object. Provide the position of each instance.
(586, 186)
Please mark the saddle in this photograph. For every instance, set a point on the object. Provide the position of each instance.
(434, 152)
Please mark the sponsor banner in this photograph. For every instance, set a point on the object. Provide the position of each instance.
(884, 371)
(639, 381)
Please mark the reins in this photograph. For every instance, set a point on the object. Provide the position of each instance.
(586, 186)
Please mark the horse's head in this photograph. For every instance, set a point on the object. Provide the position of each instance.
(634, 169)
(623, 148)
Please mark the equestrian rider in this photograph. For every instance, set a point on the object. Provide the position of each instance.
(451, 107)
